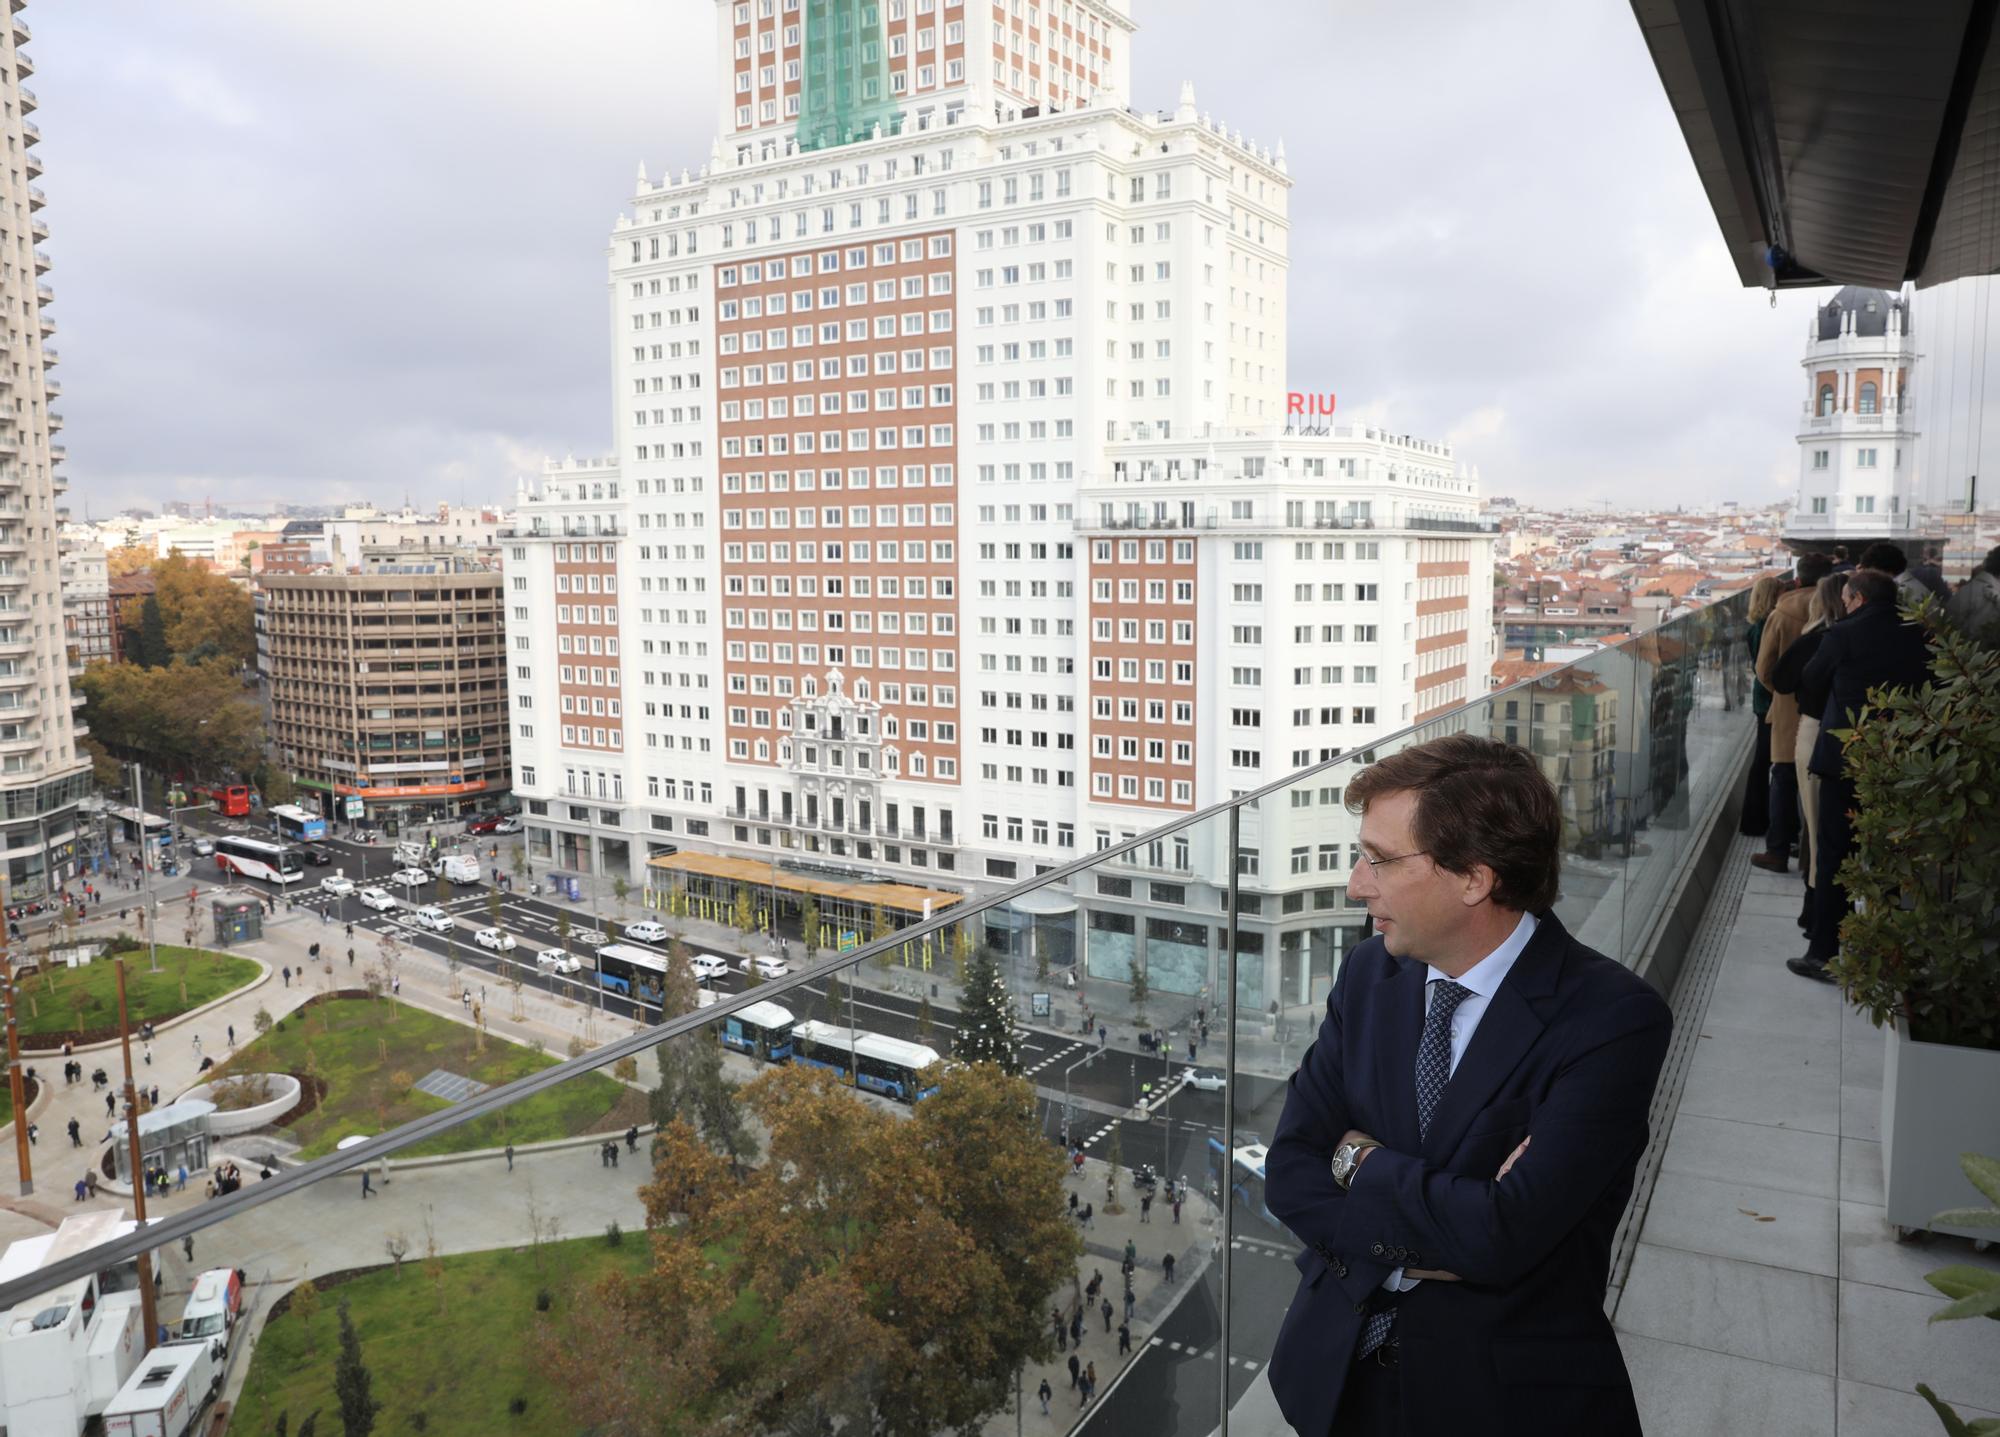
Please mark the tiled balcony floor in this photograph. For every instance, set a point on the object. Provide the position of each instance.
(1815, 1321)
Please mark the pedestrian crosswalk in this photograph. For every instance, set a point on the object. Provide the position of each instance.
(1199, 1353)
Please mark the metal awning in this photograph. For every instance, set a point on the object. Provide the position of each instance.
(1839, 144)
(900, 897)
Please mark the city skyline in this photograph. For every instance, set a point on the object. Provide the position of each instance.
(404, 297)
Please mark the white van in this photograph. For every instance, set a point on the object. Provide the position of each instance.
(212, 1309)
(434, 918)
(459, 868)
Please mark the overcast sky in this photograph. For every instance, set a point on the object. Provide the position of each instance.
(326, 251)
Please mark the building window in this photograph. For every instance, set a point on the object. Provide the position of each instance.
(1825, 400)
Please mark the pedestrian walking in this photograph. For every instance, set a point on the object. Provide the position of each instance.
(323, 919)
(1177, 1207)
(287, 970)
(75, 1133)
(604, 1156)
(1190, 1050)
(1044, 1392)
(154, 1099)
(79, 1189)
(232, 1035)
(1167, 1266)
(181, 1178)
(1088, 1209)
(395, 984)
(350, 957)
(1106, 1309)
(34, 1134)
(1130, 1300)
(1131, 1254)
(148, 1051)
(1090, 1381)
(510, 1157)
(1103, 1035)
(1075, 1364)
(632, 1139)
(367, 1188)
(110, 1105)
(1124, 1338)
(1146, 1207)
(1073, 1204)
(1076, 1329)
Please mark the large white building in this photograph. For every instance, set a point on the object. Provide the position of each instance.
(42, 772)
(1858, 429)
(959, 517)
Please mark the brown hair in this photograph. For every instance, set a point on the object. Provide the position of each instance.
(1478, 801)
(1764, 597)
(1826, 602)
(1874, 586)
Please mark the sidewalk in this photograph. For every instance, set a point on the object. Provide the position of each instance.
(1192, 1243)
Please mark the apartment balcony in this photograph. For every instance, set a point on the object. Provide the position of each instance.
(57, 453)
(32, 162)
(45, 292)
(47, 323)
(10, 443)
(13, 580)
(31, 133)
(36, 199)
(27, 708)
(55, 421)
(42, 262)
(22, 35)
(23, 65)
(27, 743)
(28, 100)
(38, 227)
(51, 387)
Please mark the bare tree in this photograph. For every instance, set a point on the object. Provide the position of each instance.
(397, 1245)
(543, 1225)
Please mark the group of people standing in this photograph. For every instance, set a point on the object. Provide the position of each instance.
(1820, 640)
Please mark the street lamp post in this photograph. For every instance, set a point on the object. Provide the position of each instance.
(146, 872)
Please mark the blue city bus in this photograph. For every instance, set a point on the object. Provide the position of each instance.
(636, 973)
(1246, 1179)
(295, 824)
(763, 1030)
(888, 1066)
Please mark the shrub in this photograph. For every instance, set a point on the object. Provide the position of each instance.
(121, 942)
(626, 1070)
(614, 1235)
(246, 1091)
(1921, 946)
(261, 1021)
(518, 1406)
(544, 1299)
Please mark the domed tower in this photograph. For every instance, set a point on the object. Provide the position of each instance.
(1857, 438)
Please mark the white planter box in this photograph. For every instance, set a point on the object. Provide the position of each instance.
(248, 1120)
(1937, 1102)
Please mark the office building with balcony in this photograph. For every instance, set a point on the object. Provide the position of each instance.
(86, 600)
(959, 517)
(385, 690)
(42, 771)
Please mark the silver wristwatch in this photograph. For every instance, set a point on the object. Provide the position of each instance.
(1346, 1158)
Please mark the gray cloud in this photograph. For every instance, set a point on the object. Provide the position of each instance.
(358, 250)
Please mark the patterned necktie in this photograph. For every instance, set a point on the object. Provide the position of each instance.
(1433, 1072)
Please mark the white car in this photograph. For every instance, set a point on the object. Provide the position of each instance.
(203, 848)
(646, 930)
(410, 878)
(767, 966)
(496, 940)
(1208, 1080)
(338, 886)
(379, 899)
(560, 961)
(507, 825)
(707, 966)
(433, 918)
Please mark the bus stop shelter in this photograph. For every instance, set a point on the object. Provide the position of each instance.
(712, 887)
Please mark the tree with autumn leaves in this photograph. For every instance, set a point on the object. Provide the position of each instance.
(877, 1271)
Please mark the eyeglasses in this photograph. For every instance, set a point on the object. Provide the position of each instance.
(1378, 864)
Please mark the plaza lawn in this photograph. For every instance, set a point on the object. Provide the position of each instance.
(360, 1047)
(459, 1359)
(49, 998)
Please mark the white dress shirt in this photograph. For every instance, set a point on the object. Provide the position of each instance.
(1483, 979)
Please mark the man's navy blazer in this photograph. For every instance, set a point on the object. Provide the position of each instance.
(1873, 647)
(1567, 1052)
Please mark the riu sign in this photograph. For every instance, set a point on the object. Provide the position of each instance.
(1308, 406)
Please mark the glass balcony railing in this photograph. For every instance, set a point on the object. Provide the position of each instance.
(542, 1208)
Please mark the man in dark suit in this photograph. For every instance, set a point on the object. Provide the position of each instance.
(1872, 648)
(1457, 1146)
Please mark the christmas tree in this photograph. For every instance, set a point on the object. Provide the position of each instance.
(986, 1021)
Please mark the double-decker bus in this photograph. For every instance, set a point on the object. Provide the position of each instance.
(231, 800)
(889, 1066)
(258, 858)
(763, 1030)
(297, 825)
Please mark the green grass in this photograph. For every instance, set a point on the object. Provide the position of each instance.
(48, 998)
(369, 1051)
(459, 1360)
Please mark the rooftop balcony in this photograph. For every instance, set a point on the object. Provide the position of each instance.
(1764, 1111)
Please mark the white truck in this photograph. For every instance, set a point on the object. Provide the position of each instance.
(459, 868)
(166, 1394)
(65, 1353)
(411, 855)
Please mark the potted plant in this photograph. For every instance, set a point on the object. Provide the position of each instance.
(1974, 1291)
(1921, 952)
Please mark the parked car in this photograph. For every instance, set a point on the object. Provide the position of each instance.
(558, 960)
(204, 848)
(338, 885)
(647, 930)
(434, 918)
(496, 940)
(507, 825)
(314, 856)
(766, 965)
(707, 967)
(484, 823)
(1208, 1080)
(409, 878)
(379, 899)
